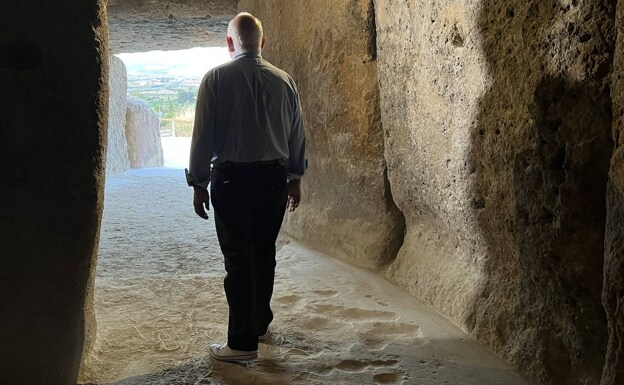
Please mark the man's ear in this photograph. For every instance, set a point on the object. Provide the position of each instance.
(262, 42)
(230, 44)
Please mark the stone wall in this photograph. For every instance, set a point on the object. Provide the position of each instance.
(497, 129)
(432, 75)
(329, 48)
(613, 290)
(117, 147)
(53, 66)
(143, 135)
(497, 118)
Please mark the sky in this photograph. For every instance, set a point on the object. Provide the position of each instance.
(191, 63)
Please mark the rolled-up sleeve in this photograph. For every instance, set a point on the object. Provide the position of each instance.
(202, 143)
(296, 164)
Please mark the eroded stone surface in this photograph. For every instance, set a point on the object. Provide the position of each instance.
(143, 135)
(497, 120)
(613, 290)
(53, 66)
(329, 49)
(117, 147)
(431, 78)
(148, 25)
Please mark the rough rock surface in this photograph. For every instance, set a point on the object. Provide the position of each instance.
(613, 289)
(431, 78)
(53, 66)
(329, 49)
(497, 127)
(148, 25)
(143, 135)
(117, 147)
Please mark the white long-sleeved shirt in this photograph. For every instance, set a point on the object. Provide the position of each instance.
(247, 111)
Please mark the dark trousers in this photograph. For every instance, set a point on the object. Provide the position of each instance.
(249, 202)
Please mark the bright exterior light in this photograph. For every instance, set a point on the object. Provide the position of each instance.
(189, 63)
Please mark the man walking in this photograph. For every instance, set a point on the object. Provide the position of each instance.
(248, 125)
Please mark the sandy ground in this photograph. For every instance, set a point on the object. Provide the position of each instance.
(159, 304)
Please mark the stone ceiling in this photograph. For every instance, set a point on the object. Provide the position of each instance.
(147, 25)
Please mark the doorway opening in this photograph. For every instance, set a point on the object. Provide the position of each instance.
(154, 287)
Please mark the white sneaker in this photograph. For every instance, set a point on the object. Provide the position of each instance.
(224, 353)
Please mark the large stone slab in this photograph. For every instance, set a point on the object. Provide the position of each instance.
(432, 75)
(148, 25)
(497, 120)
(53, 82)
(143, 135)
(329, 49)
(117, 160)
(613, 290)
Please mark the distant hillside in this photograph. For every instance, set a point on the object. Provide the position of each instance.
(169, 81)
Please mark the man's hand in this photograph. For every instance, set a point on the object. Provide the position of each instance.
(201, 200)
(294, 194)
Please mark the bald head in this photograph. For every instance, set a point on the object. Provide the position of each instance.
(245, 33)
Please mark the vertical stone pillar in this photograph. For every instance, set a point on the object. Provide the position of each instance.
(329, 48)
(613, 289)
(53, 97)
(143, 135)
(117, 160)
(432, 76)
(497, 120)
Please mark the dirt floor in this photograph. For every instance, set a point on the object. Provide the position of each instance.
(159, 303)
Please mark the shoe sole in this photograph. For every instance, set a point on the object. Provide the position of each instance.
(240, 357)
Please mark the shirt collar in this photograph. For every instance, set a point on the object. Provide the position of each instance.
(248, 54)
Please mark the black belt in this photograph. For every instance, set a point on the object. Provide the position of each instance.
(280, 162)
